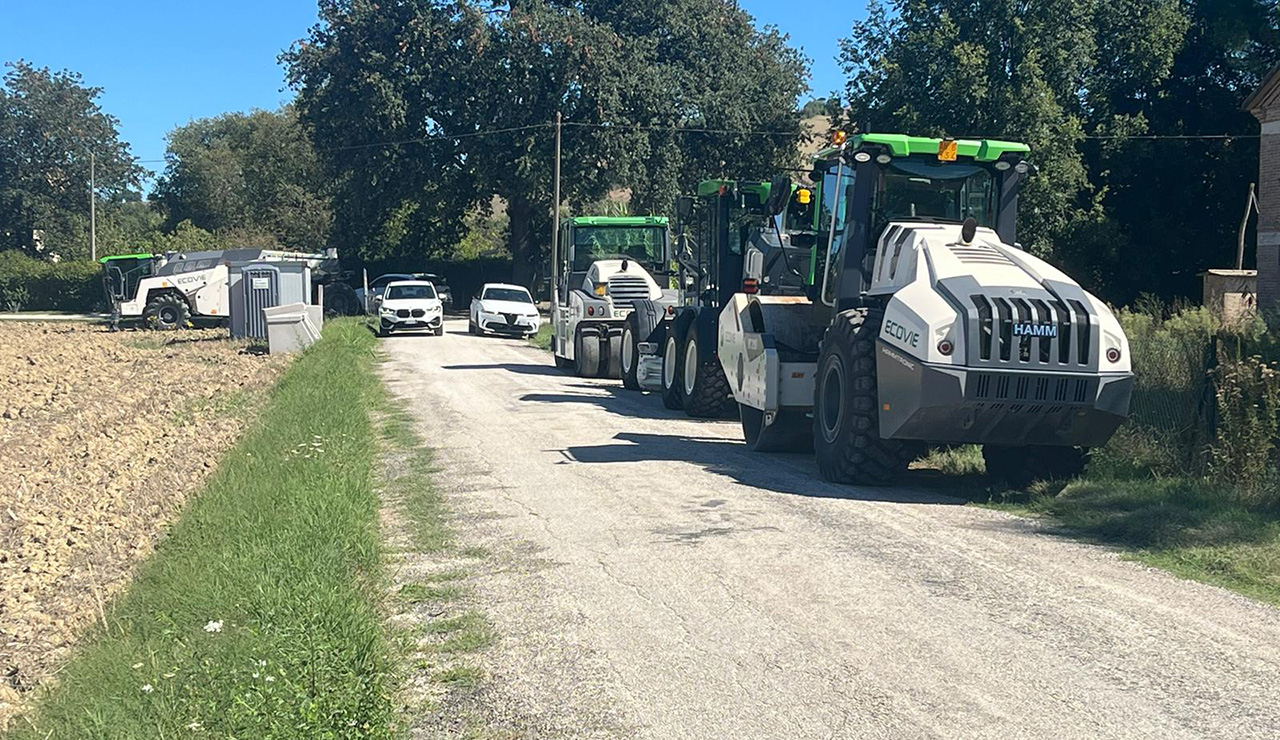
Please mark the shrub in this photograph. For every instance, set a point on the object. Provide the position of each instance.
(30, 284)
(1248, 408)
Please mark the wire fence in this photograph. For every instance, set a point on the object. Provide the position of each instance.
(1204, 398)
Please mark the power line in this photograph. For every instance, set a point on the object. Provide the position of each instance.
(438, 137)
(685, 129)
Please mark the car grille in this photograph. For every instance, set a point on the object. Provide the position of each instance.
(511, 318)
(625, 289)
(1032, 392)
(1066, 331)
(418, 313)
(402, 313)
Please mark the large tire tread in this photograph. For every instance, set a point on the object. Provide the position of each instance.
(858, 455)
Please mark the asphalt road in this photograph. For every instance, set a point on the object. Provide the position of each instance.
(651, 578)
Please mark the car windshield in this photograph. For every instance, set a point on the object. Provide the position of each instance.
(409, 292)
(644, 244)
(929, 191)
(506, 294)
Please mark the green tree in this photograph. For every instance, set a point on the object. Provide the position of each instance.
(471, 88)
(251, 177)
(1015, 70)
(49, 124)
(1173, 205)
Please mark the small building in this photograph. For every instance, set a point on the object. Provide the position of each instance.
(1264, 104)
(1232, 295)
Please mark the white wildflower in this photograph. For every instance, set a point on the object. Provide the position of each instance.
(147, 688)
(213, 626)
(136, 666)
(195, 726)
(270, 678)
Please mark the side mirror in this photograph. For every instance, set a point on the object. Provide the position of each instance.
(684, 209)
(779, 194)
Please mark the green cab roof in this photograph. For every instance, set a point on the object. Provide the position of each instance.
(901, 145)
(761, 189)
(139, 256)
(619, 221)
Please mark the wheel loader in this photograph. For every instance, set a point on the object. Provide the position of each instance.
(926, 324)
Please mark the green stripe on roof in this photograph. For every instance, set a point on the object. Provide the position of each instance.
(139, 256)
(619, 221)
(979, 150)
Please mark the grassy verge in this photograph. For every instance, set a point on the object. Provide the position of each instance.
(1195, 529)
(542, 340)
(442, 626)
(258, 615)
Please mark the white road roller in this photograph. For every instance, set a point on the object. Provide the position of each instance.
(927, 325)
(607, 264)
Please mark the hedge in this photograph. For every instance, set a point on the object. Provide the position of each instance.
(29, 284)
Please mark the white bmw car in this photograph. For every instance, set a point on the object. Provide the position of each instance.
(504, 309)
(409, 305)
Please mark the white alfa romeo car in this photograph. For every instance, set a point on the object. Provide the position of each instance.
(504, 309)
(409, 305)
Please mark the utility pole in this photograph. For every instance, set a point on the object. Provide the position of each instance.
(555, 221)
(93, 210)
(1250, 203)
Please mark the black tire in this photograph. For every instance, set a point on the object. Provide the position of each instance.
(472, 329)
(672, 370)
(167, 312)
(630, 357)
(1020, 466)
(790, 432)
(708, 395)
(340, 300)
(846, 406)
(586, 355)
(611, 364)
(439, 330)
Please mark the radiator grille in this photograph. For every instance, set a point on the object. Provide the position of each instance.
(1067, 345)
(1049, 391)
(626, 288)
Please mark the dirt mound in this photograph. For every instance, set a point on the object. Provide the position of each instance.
(102, 437)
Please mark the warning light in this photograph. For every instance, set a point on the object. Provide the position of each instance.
(839, 137)
(803, 196)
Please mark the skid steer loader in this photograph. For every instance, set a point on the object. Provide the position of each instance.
(926, 324)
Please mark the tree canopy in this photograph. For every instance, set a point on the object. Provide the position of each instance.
(1077, 80)
(250, 177)
(470, 90)
(49, 124)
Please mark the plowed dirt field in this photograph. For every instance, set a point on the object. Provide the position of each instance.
(103, 436)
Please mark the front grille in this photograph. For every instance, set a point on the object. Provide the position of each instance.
(1068, 343)
(418, 313)
(1034, 391)
(511, 318)
(626, 288)
(402, 313)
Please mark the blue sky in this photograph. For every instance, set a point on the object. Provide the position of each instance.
(164, 63)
